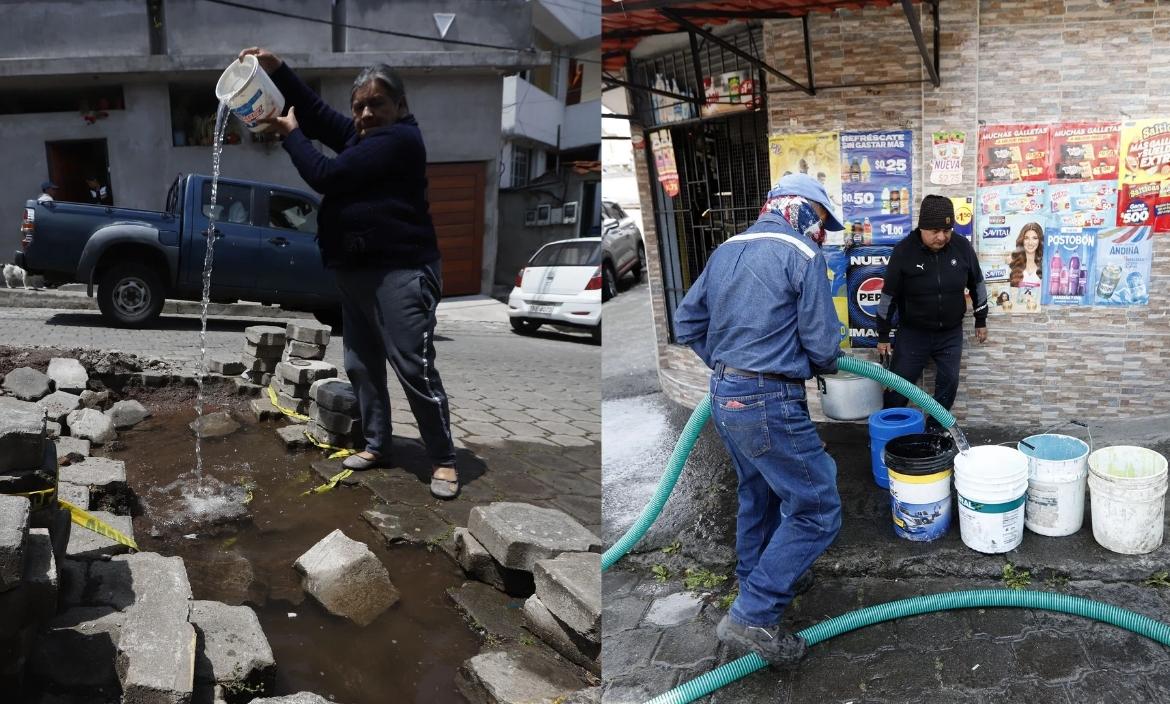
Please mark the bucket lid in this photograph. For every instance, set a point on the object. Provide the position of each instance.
(235, 77)
(1127, 462)
(992, 462)
(1052, 447)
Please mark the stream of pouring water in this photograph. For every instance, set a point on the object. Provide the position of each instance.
(216, 150)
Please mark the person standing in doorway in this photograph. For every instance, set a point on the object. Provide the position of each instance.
(48, 192)
(926, 283)
(375, 234)
(761, 316)
(98, 194)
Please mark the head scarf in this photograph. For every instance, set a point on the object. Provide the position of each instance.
(798, 212)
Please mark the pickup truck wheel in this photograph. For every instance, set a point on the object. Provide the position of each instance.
(130, 295)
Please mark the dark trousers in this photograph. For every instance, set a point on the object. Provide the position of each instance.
(914, 348)
(789, 508)
(389, 316)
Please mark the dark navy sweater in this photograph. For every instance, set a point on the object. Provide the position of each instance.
(374, 210)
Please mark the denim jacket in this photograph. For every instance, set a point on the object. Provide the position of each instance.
(763, 304)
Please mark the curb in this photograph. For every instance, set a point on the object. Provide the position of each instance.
(68, 300)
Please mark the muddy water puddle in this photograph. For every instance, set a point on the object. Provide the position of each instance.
(410, 654)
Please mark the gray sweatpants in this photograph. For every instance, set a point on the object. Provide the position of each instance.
(389, 316)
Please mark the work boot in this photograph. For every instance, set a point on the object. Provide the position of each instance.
(804, 582)
(777, 646)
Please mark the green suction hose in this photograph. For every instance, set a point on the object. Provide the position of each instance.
(1077, 606)
(702, 414)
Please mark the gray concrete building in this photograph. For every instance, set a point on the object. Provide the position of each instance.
(123, 90)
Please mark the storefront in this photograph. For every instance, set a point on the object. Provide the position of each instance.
(1024, 117)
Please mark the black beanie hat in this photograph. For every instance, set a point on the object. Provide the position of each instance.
(936, 213)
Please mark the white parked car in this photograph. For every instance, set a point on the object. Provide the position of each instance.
(560, 287)
(622, 249)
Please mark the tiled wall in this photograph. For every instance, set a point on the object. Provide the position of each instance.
(1002, 61)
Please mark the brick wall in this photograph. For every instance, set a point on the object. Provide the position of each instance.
(1002, 61)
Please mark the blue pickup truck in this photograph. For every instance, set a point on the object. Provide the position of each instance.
(264, 249)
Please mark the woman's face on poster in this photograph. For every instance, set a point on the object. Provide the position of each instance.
(1031, 241)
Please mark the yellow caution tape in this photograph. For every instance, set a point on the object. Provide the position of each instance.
(333, 481)
(89, 522)
(341, 451)
(39, 499)
(287, 411)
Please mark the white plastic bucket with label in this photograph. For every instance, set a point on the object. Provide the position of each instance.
(992, 482)
(249, 93)
(1127, 495)
(1057, 471)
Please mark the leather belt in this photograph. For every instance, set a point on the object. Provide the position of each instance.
(766, 375)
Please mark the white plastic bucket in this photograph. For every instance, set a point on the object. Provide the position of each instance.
(992, 482)
(1127, 492)
(249, 93)
(1057, 471)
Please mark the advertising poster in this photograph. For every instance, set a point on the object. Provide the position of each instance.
(1121, 267)
(664, 164)
(866, 276)
(876, 186)
(817, 154)
(1085, 204)
(946, 163)
(837, 263)
(1013, 153)
(729, 92)
(964, 216)
(1143, 174)
(1084, 151)
(1068, 255)
(1010, 223)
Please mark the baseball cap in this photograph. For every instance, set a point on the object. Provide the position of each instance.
(46, 185)
(808, 188)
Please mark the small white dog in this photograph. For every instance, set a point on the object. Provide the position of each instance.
(14, 276)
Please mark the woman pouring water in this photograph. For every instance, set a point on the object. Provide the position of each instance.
(375, 235)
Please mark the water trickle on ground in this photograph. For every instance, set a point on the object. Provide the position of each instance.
(208, 257)
(241, 524)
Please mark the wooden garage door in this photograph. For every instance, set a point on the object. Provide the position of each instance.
(456, 196)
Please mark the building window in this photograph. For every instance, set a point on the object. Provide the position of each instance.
(520, 158)
(554, 84)
(93, 103)
(193, 109)
(576, 79)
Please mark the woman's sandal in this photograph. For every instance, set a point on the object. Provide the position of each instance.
(358, 463)
(444, 488)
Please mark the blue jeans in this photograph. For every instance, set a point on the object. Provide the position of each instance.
(789, 508)
(913, 348)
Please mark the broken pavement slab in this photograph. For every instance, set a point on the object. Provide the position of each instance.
(518, 535)
(156, 650)
(105, 480)
(86, 638)
(518, 674)
(22, 440)
(212, 425)
(233, 650)
(414, 525)
(569, 586)
(307, 332)
(67, 445)
(127, 414)
(88, 545)
(263, 409)
(293, 436)
(265, 336)
(14, 514)
(92, 425)
(27, 384)
(68, 374)
(345, 577)
(59, 404)
(305, 371)
(489, 611)
(560, 638)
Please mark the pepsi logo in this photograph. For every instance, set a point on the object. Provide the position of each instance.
(869, 295)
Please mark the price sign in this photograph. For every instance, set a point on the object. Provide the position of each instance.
(876, 186)
(891, 166)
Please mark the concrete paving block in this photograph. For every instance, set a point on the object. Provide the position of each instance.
(476, 561)
(214, 425)
(346, 578)
(76, 494)
(298, 391)
(156, 650)
(68, 374)
(59, 404)
(490, 612)
(304, 371)
(293, 436)
(92, 425)
(259, 379)
(570, 587)
(87, 639)
(106, 480)
(265, 335)
(334, 422)
(414, 525)
(71, 578)
(335, 395)
(94, 399)
(14, 512)
(330, 438)
(67, 445)
(60, 526)
(515, 675)
(245, 387)
(87, 545)
(225, 364)
(263, 409)
(560, 638)
(27, 384)
(127, 414)
(22, 438)
(233, 650)
(327, 469)
(303, 350)
(252, 363)
(40, 575)
(52, 430)
(518, 535)
(298, 698)
(306, 332)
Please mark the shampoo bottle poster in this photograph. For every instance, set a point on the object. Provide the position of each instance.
(1121, 268)
(1068, 257)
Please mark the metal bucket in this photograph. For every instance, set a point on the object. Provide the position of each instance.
(846, 396)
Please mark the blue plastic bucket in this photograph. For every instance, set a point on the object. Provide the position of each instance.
(885, 426)
(919, 467)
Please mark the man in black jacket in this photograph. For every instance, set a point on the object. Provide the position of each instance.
(925, 282)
